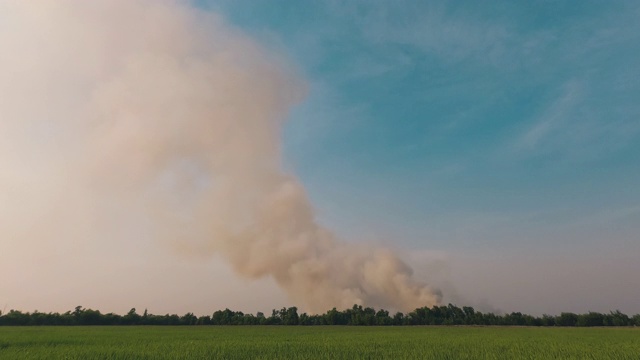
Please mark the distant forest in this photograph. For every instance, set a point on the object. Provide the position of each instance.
(356, 316)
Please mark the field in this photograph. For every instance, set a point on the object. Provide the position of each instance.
(296, 342)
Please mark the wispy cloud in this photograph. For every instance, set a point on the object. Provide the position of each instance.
(554, 117)
(430, 29)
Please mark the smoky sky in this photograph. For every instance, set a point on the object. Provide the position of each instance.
(138, 127)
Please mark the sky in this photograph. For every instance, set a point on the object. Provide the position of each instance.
(494, 146)
(499, 138)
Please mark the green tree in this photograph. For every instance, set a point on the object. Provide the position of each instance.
(132, 318)
(567, 319)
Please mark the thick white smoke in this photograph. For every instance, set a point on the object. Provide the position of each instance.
(150, 114)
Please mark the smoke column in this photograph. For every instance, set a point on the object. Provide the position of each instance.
(154, 115)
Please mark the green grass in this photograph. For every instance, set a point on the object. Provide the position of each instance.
(263, 342)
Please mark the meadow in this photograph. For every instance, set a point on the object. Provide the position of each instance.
(334, 342)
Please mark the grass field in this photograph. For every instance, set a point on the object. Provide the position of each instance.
(263, 342)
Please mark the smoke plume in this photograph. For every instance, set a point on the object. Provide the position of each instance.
(156, 119)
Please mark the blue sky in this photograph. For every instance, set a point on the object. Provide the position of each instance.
(484, 129)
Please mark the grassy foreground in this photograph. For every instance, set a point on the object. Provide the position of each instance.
(296, 342)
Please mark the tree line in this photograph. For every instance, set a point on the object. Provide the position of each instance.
(356, 316)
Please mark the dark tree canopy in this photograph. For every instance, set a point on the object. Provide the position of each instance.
(356, 316)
